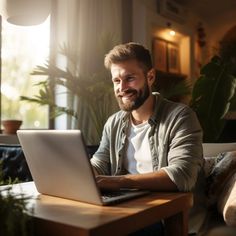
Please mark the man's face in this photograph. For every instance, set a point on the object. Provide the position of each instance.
(131, 86)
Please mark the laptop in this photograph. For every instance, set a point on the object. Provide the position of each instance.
(60, 166)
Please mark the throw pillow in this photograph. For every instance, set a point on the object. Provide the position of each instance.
(227, 202)
(209, 163)
(223, 170)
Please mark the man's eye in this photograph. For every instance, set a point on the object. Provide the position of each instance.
(130, 79)
(116, 81)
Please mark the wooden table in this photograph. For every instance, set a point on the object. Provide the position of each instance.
(58, 216)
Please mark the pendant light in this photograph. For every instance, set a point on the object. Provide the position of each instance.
(25, 12)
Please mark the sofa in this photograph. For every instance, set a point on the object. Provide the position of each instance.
(13, 163)
(220, 174)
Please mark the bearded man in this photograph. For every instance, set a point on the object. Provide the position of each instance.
(151, 143)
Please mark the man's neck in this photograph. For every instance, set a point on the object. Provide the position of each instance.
(143, 113)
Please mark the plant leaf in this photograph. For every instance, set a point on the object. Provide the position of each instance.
(211, 97)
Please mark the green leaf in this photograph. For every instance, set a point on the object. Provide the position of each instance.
(211, 97)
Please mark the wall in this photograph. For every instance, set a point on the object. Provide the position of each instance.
(147, 24)
(80, 23)
(218, 27)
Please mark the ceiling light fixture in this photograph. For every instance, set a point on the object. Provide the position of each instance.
(170, 30)
(25, 12)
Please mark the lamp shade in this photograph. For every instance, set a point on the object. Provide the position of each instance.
(25, 12)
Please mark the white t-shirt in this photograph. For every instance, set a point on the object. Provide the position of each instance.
(138, 155)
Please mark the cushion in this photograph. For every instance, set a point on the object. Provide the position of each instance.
(13, 163)
(209, 163)
(223, 170)
(227, 202)
(221, 231)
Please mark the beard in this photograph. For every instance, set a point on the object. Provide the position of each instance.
(137, 98)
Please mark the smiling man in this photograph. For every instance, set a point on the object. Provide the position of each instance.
(151, 143)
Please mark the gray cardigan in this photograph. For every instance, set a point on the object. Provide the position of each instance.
(176, 146)
(175, 140)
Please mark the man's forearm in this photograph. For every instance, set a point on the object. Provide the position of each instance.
(155, 181)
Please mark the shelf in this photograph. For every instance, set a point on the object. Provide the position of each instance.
(9, 139)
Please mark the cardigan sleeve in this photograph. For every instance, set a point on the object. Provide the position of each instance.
(184, 157)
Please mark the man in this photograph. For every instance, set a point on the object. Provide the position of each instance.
(152, 143)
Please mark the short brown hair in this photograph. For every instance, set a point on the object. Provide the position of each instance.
(129, 51)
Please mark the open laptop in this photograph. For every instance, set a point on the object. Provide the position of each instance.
(60, 166)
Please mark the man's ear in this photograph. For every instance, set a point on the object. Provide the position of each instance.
(151, 76)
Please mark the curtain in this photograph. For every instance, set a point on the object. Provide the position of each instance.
(86, 26)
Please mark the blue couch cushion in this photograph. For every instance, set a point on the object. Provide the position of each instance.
(13, 163)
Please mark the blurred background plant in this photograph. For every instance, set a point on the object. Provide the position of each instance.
(227, 52)
(15, 219)
(90, 99)
(177, 91)
(212, 96)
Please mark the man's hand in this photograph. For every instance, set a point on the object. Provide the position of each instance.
(107, 183)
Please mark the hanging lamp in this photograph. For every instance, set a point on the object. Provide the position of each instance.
(25, 12)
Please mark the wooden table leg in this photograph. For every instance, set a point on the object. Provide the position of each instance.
(177, 224)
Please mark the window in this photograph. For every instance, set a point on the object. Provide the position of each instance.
(23, 48)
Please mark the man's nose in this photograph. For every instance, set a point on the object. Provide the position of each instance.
(123, 86)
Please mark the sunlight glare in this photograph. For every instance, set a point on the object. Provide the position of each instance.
(23, 48)
(37, 123)
(9, 91)
(36, 40)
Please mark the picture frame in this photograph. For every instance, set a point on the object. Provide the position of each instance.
(171, 10)
(173, 58)
(160, 54)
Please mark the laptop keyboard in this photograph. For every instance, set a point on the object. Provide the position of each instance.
(112, 194)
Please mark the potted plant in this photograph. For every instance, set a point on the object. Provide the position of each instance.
(10, 126)
(11, 120)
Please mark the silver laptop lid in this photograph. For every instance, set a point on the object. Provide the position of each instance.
(59, 164)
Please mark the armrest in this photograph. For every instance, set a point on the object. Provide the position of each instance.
(211, 151)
